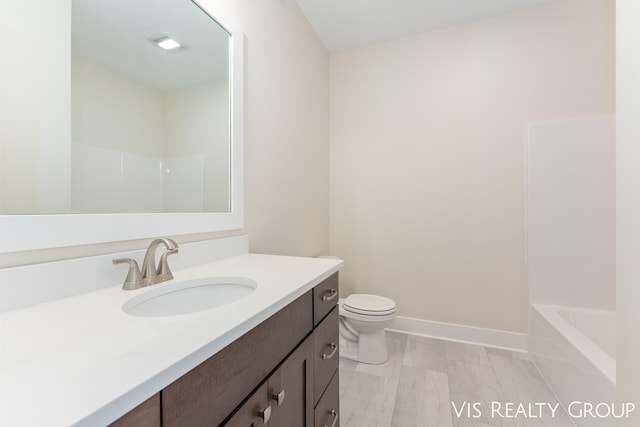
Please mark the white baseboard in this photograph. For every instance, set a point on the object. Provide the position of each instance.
(468, 334)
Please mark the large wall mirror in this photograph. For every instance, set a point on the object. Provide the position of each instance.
(129, 126)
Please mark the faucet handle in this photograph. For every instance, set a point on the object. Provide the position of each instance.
(164, 272)
(134, 278)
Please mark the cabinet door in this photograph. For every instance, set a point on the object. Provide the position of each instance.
(254, 412)
(291, 389)
(326, 338)
(326, 413)
(285, 399)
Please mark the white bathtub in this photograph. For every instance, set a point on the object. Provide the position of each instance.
(574, 349)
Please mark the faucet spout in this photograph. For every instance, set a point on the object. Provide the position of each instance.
(150, 275)
(162, 273)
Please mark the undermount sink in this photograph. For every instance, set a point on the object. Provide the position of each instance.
(189, 296)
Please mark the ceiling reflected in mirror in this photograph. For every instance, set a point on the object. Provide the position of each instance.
(120, 34)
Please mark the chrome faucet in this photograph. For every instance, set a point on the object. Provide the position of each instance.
(150, 274)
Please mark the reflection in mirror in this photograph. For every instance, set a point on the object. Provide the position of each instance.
(36, 134)
(149, 125)
(150, 108)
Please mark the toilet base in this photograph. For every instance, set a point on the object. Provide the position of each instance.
(371, 348)
(348, 349)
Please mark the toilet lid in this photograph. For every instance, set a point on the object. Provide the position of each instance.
(369, 304)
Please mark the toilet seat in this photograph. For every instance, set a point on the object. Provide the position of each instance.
(370, 305)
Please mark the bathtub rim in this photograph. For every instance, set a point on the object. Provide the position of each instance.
(591, 351)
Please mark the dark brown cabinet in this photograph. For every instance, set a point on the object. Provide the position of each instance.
(256, 411)
(325, 363)
(147, 414)
(326, 390)
(284, 400)
(327, 411)
(211, 391)
(283, 372)
(325, 298)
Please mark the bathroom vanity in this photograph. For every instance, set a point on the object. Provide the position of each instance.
(268, 358)
(284, 372)
(70, 352)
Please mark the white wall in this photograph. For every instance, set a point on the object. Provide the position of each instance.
(571, 213)
(189, 172)
(106, 181)
(628, 204)
(427, 148)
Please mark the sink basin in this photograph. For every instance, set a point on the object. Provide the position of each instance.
(189, 296)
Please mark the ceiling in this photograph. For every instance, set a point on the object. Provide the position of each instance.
(116, 33)
(346, 24)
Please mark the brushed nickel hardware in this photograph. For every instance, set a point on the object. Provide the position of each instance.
(149, 274)
(330, 295)
(134, 278)
(149, 269)
(334, 348)
(279, 398)
(265, 414)
(334, 414)
(164, 272)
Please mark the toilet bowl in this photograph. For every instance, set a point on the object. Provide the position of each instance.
(363, 318)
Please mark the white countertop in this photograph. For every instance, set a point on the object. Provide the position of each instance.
(83, 361)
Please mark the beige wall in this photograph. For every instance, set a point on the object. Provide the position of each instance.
(427, 147)
(113, 111)
(286, 128)
(628, 204)
(35, 146)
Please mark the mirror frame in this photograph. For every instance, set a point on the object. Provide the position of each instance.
(31, 232)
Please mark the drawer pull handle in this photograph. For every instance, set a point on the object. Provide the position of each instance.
(265, 414)
(334, 348)
(279, 398)
(334, 414)
(330, 295)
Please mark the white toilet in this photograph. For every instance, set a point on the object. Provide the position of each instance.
(363, 318)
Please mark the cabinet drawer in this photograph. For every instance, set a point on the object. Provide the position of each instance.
(325, 298)
(326, 353)
(212, 390)
(328, 410)
(255, 411)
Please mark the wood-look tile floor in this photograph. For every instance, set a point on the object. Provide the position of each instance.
(435, 383)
